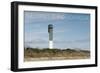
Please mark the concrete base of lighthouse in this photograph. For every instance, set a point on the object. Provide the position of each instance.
(50, 44)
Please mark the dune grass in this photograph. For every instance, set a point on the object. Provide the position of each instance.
(53, 54)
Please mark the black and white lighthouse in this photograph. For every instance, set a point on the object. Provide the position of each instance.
(50, 31)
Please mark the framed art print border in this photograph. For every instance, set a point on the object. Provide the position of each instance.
(14, 36)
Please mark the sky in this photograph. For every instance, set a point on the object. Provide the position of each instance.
(70, 30)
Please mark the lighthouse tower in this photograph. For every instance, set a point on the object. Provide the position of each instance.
(50, 31)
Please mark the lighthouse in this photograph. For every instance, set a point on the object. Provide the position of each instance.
(50, 31)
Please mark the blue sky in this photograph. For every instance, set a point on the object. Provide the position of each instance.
(70, 30)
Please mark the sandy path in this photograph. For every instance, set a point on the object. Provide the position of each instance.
(54, 58)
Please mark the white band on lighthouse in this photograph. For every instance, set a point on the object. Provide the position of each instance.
(51, 44)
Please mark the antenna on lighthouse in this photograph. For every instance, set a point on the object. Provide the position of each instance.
(50, 31)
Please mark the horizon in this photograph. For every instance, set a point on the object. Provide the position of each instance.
(58, 48)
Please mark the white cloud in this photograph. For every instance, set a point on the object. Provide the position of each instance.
(31, 17)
